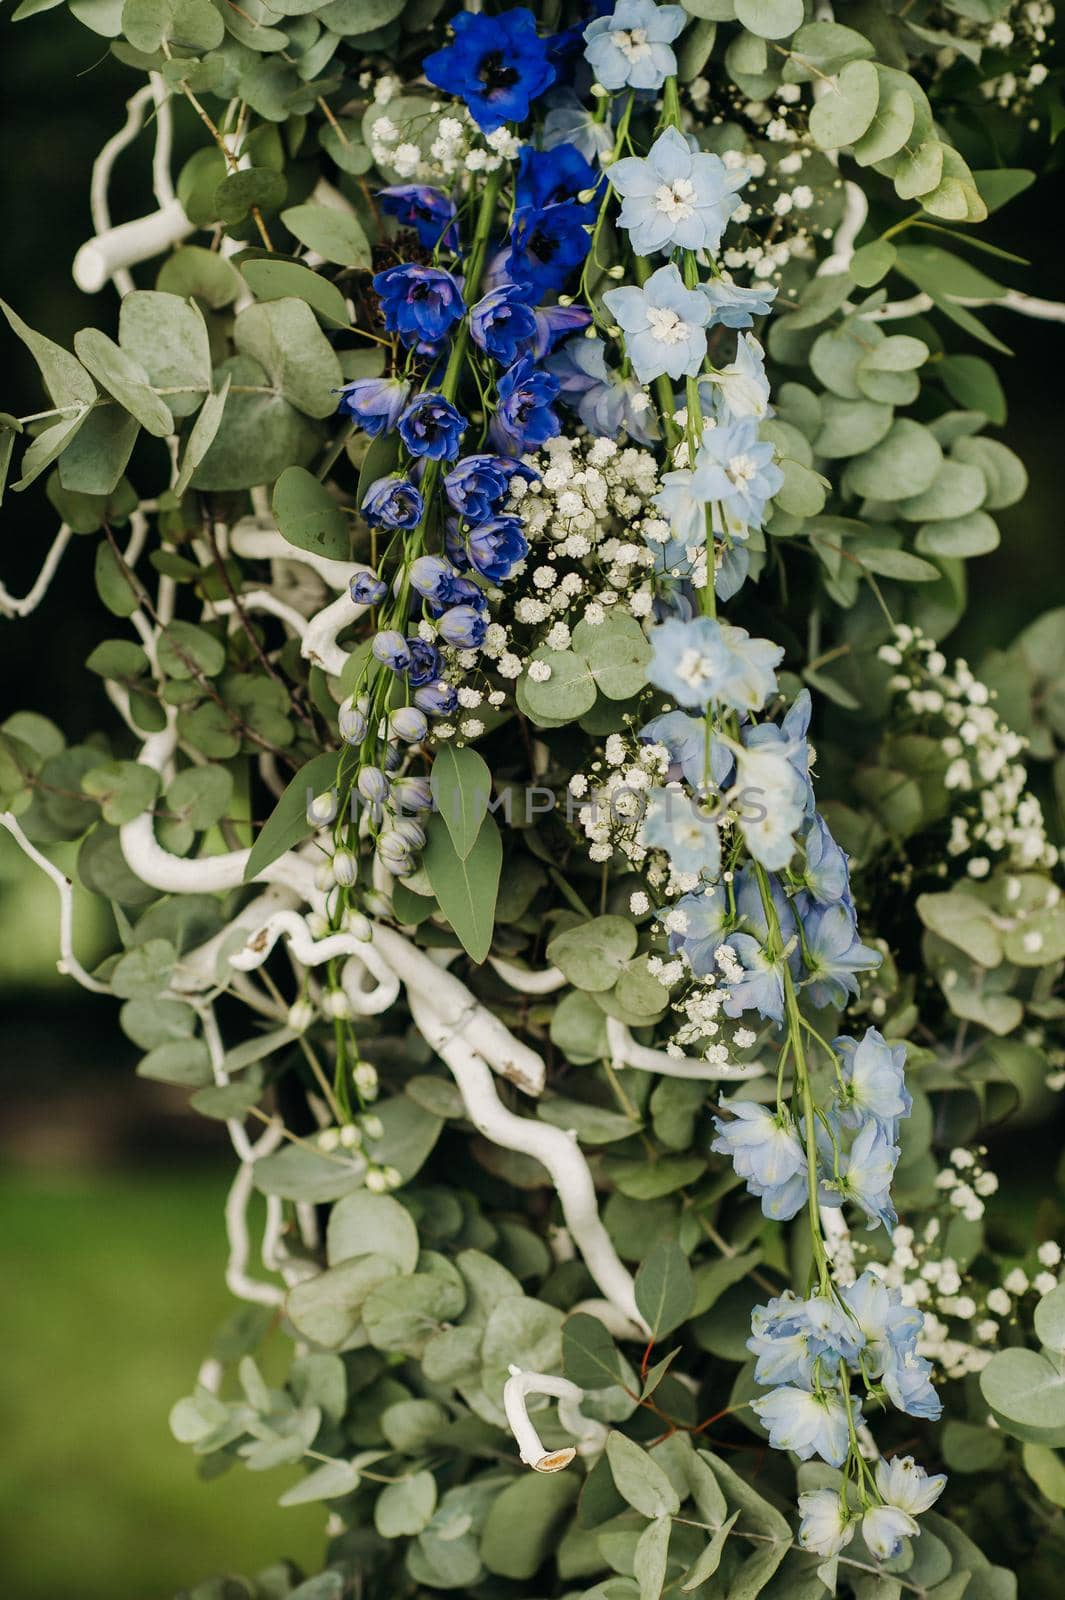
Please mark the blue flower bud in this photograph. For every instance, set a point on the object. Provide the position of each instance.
(408, 724)
(372, 784)
(367, 589)
(391, 649)
(463, 627)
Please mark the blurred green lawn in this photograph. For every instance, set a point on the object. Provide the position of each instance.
(113, 1289)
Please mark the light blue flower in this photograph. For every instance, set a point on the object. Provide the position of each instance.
(685, 739)
(884, 1528)
(833, 951)
(808, 1423)
(733, 307)
(904, 1484)
(909, 1386)
(741, 389)
(631, 48)
(826, 873)
(890, 1330)
(706, 660)
(684, 510)
(826, 1527)
(761, 987)
(676, 198)
(665, 324)
(788, 1335)
(605, 401)
(789, 737)
(706, 917)
(674, 823)
(765, 1150)
(866, 1171)
(570, 122)
(771, 801)
(735, 467)
(874, 1073)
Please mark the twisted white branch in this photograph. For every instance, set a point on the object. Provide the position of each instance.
(625, 1052)
(10, 607)
(68, 962)
(557, 1151)
(516, 1390)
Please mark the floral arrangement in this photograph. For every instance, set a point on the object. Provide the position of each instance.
(542, 459)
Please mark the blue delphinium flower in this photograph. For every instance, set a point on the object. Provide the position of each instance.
(788, 1335)
(631, 48)
(833, 952)
(421, 304)
(734, 307)
(874, 1075)
(464, 627)
(773, 800)
(740, 389)
(374, 403)
(757, 984)
(496, 547)
(735, 467)
(546, 244)
(685, 739)
(889, 1329)
(497, 65)
(503, 323)
(826, 1527)
(392, 502)
(432, 427)
(557, 322)
(524, 418)
(429, 211)
(477, 485)
(424, 664)
(789, 737)
(604, 400)
(705, 916)
(706, 661)
(570, 122)
(391, 649)
(808, 1422)
(367, 589)
(437, 699)
(884, 1528)
(675, 198)
(665, 324)
(909, 1386)
(548, 177)
(434, 579)
(866, 1171)
(826, 873)
(674, 823)
(766, 1151)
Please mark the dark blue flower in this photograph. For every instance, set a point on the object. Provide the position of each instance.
(393, 502)
(554, 323)
(421, 304)
(375, 403)
(547, 244)
(524, 419)
(496, 548)
(391, 649)
(432, 578)
(367, 589)
(504, 324)
(548, 177)
(432, 427)
(428, 210)
(497, 65)
(464, 627)
(438, 699)
(477, 485)
(424, 664)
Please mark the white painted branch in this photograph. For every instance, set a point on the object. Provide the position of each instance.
(309, 952)
(10, 606)
(625, 1052)
(257, 543)
(459, 1013)
(263, 600)
(616, 1323)
(1025, 305)
(558, 1152)
(385, 991)
(527, 981)
(68, 962)
(855, 211)
(516, 1391)
(111, 254)
(319, 645)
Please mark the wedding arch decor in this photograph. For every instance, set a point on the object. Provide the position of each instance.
(532, 472)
